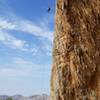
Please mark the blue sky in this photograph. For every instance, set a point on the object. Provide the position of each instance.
(26, 36)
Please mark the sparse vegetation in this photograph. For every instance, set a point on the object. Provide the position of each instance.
(9, 98)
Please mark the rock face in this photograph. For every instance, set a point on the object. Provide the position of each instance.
(76, 52)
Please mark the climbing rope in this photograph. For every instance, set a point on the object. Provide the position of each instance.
(49, 6)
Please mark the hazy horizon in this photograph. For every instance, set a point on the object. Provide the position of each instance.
(24, 95)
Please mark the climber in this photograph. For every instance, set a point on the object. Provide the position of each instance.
(49, 9)
(49, 6)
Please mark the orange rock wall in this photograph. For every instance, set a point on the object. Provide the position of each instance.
(76, 51)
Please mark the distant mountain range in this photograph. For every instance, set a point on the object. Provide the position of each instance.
(20, 97)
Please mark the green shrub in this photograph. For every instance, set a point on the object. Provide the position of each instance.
(9, 98)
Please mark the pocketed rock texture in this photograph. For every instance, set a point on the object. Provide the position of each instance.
(76, 52)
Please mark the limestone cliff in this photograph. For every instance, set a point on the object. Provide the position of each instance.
(76, 52)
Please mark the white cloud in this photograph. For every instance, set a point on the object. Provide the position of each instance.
(29, 27)
(4, 24)
(39, 29)
(16, 69)
(20, 61)
(36, 30)
(11, 41)
(48, 48)
(22, 68)
(35, 51)
(14, 43)
(7, 72)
